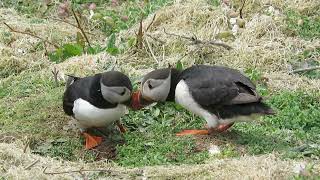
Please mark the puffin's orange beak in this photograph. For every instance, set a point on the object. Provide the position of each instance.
(139, 102)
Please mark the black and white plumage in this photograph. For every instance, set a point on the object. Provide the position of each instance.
(97, 101)
(219, 94)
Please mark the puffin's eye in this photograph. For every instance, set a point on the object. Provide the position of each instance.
(123, 92)
(149, 85)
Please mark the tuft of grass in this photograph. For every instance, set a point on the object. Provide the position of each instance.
(25, 84)
(152, 140)
(28, 7)
(308, 58)
(214, 2)
(305, 26)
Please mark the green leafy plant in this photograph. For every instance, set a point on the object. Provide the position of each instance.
(65, 51)
(179, 66)
(111, 47)
(215, 2)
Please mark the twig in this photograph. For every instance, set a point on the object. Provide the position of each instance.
(156, 39)
(45, 48)
(140, 35)
(305, 69)
(77, 171)
(149, 47)
(154, 17)
(55, 75)
(164, 52)
(60, 20)
(26, 145)
(79, 26)
(30, 34)
(82, 174)
(146, 50)
(241, 9)
(197, 41)
(32, 164)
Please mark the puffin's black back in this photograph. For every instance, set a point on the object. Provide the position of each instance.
(207, 73)
(89, 89)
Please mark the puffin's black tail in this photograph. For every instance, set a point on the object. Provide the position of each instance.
(245, 110)
(71, 79)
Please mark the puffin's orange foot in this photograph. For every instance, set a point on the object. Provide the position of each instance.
(91, 141)
(223, 127)
(193, 132)
(121, 127)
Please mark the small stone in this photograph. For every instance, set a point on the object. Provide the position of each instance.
(299, 168)
(227, 2)
(214, 150)
(233, 21)
(92, 6)
(114, 3)
(235, 29)
(124, 18)
(271, 10)
(300, 22)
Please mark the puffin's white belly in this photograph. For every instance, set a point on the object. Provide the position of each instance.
(185, 99)
(88, 115)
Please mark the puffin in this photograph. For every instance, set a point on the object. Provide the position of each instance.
(220, 95)
(97, 101)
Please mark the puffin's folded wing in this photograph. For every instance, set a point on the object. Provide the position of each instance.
(246, 94)
(224, 94)
(208, 96)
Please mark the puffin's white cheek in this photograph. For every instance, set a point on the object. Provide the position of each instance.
(146, 91)
(110, 96)
(158, 95)
(124, 98)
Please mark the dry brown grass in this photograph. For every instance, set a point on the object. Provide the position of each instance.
(14, 163)
(262, 44)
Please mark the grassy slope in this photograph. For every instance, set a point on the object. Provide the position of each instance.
(30, 105)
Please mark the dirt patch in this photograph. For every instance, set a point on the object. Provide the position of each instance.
(222, 141)
(107, 150)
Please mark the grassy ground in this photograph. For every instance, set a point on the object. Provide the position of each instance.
(31, 107)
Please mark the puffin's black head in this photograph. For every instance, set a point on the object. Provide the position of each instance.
(115, 87)
(155, 86)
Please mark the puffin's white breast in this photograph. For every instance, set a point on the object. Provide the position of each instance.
(185, 99)
(88, 115)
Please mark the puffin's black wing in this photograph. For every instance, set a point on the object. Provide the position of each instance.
(216, 85)
(88, 89)
(75, 88)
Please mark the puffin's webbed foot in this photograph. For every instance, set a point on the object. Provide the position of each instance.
(193, 132)
(223, 127)
(91, 141)
(209, 131)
